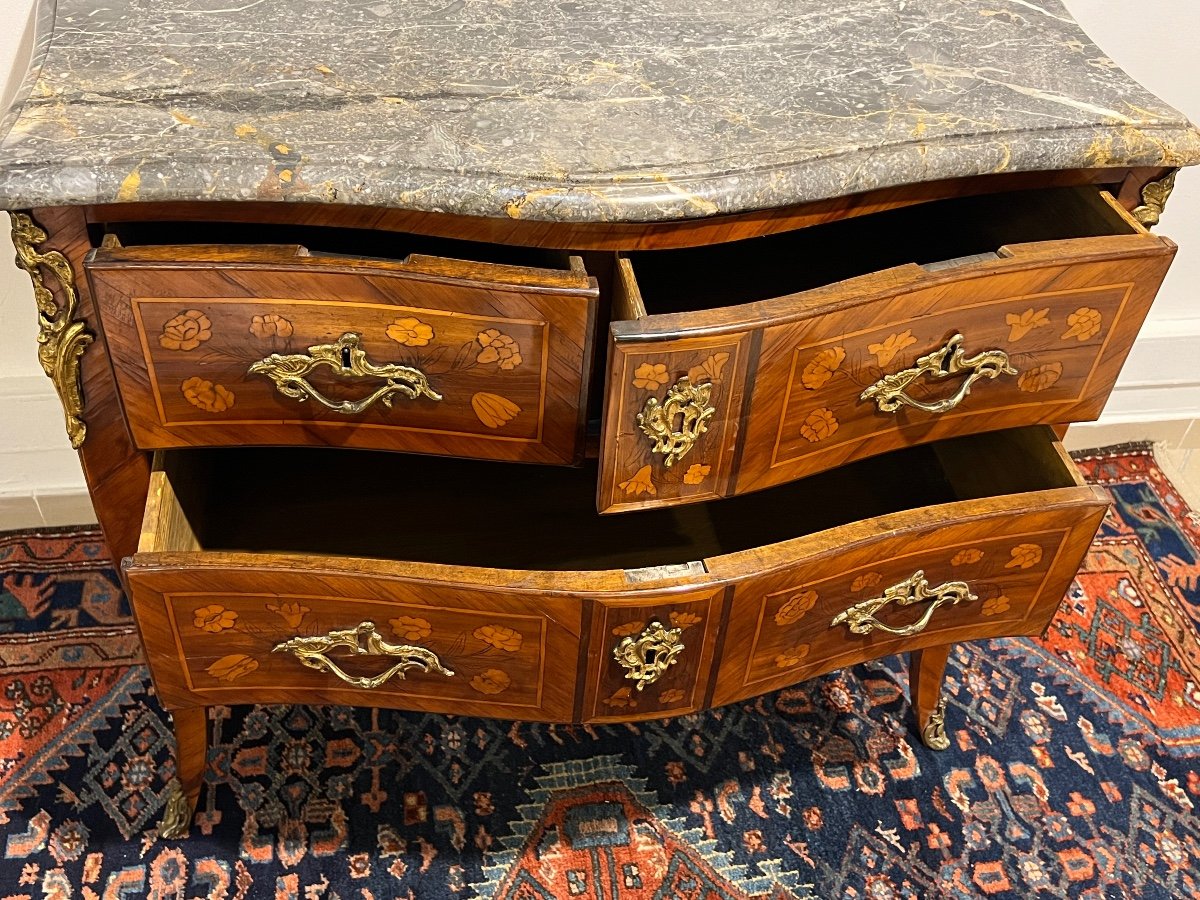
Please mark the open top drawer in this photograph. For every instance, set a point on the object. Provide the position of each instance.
(257, 344)
(744, 365)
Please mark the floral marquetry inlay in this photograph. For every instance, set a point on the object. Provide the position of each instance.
(214, 618)
(640, 483)
(500, 637)
(1040, 378)
(499, 349)
(792, 657)
(410, 332)
(1020, 324)
(1024, 556)
(186, 331)
(818, 425)
(795, 608)
(821, 367)
(887, 350)
(710, 369)
(291, 612)
(491, 681)
(696, 473)
(411, 628)
(205, 395)
(994, 606)
(1083, 323)
(966, 557)
(650, 376)
(271, 325)
(232, 667)
(493, 410)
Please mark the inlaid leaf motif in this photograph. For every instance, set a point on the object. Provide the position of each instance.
(186, 331)
(639, 484)
(292, 613)
(696, 473)
(865, 581)
(1039, 378)
(670, 697)
(622, 698)
(650, 376)
(499, 636)
(271, 325)
(491, 681)
(214, 618)
(205, 395)
(494, 410)
(1024, 556)
(818, 425)
(232, 667)
(1083, 323)
(411, 628)
(410, 332)
(793, 656)
(685, 619)
(499, 349)
(628, 628)
(993, 606)
(966, 557)
(821, 367)
(1020, 324)
(892, 344)
(709, 370)
(795, 607)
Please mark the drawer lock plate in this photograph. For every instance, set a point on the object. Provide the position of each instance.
(646, 656)
(889, 392)
(860, 618)
(686, 405)
(364, 640)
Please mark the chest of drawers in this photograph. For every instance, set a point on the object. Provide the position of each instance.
(602, 451)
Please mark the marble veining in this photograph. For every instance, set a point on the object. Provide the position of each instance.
(609, 110)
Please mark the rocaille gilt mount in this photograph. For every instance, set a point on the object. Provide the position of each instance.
(685, 403)
(890, 392)
(62, 339)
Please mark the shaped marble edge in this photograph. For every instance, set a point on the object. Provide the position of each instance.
(545, 110)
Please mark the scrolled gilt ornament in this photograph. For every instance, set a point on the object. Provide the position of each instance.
(62, 339)
(1154, 199)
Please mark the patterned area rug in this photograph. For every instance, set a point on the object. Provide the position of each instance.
(1071, 773)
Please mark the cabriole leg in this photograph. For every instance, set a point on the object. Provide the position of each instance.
(926, 668)
(191, 757)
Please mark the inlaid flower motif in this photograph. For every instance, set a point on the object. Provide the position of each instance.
(640, 483)
(271, 325)
(795, 607)
(821, 367)
(1020, 324)
(1024, 556)
(498, 348)
(292, 612)
(493, 410)
(892, 344)
(622, 698)
(410, 332)
(818, 425)
(232, 667)
(500, 637)
(993, 606)
(205, 395)
(670, 697)
(696, 473)
(1039, 378)
(628, 628)
(966, 557)
(214, 618)
(650, 376)
(709, 370)
(792, 656)
(1083, 323)
(491, 681)
(865, 580)
(186, 331)
(411, 628)
(685, 619)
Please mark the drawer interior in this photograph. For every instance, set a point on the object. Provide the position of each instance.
(934, 235)
(482, 514)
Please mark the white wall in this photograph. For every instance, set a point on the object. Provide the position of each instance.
(39, 473)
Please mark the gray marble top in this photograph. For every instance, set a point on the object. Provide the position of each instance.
(611, 110)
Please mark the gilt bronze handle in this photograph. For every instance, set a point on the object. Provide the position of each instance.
(648, 655)
(860, 618)
(362, 640)
(348, 360)
(674, 425)
(889, 391)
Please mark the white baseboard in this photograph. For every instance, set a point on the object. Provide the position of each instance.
(1161, 378)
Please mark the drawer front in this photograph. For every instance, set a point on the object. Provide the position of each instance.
(938, 582)
(790, 381)
(218, 635)
(361, 354)
(682, 629)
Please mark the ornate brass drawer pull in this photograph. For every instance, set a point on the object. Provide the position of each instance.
(889, 391)
(685, 402)
(649, 654)
(915, 589)
(347, 360)
(363, 640)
